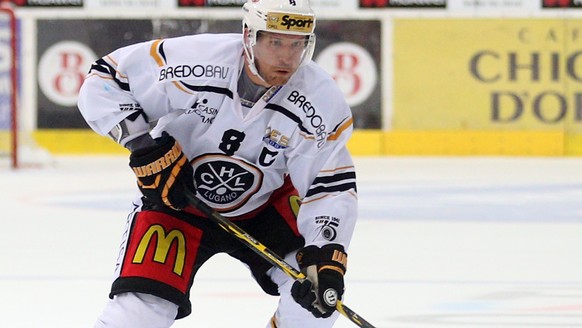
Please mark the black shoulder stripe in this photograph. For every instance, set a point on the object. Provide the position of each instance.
(102, 66)
(330, 189)
(209, 88)
(290, 115)
(161, 50)
(97, 66)
(335, 178)
(338, 182)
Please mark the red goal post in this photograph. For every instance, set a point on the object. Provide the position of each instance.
(8, 86)
(18, 148)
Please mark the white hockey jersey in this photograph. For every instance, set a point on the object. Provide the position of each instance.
(187, 87)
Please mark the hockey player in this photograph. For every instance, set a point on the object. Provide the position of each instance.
(258, 131)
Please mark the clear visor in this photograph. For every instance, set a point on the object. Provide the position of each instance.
(284, 50)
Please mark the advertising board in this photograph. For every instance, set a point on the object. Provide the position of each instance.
(473, 74)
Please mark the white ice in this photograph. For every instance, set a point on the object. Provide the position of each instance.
(441, 242)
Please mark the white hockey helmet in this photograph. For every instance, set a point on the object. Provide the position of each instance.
(293, 17)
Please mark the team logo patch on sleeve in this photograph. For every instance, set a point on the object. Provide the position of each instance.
(226, 183)
(327, 226)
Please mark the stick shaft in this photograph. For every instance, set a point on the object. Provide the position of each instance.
(267, 254)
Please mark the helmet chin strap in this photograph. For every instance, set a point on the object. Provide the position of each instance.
(250, 55)
(255, 71)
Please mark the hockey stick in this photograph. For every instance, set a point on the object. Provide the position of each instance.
(267, 254)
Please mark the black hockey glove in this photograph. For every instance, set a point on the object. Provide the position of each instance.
(325, 268)
(163, 172)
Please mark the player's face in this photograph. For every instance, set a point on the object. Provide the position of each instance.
(277, 56)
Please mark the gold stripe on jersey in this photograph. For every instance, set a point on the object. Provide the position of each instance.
(334, 135)
(113, 64)
(156, 54)
(307, 136)
(340, 129)
(273, 322)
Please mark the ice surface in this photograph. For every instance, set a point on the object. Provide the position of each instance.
(441, 242)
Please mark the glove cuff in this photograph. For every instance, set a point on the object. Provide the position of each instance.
(163, 172)
(152, 160)
(328, 257)
(165, 141)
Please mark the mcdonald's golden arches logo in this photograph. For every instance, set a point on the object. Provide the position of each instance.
(162, 247)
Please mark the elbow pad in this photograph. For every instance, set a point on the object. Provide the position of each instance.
(132, 127)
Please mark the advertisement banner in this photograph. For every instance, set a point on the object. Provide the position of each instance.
(66, 49)
(319, 5)
(129, 4)
(48, 3)
(316, 5)
(403, 3)
(211, 3)
(493, 6)
(355, 64)
(509, 74)
(561, 3)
